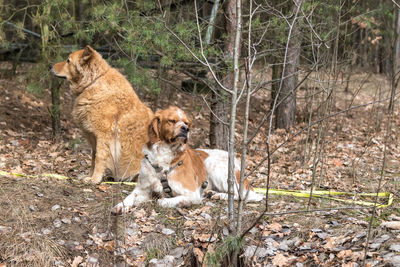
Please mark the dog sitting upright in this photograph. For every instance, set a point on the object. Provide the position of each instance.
(186, 169)
(109, 113)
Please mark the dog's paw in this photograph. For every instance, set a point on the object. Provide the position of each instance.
(91, 180)
(119, 209)
(167, 202)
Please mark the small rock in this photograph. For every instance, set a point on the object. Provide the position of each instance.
(395, 260)
(375, 246)
(299, 264)
(259, 252)
(66, 221)
(39, 194)
(77, 219)
(136, 251)
(57, 223)
(155, 263)
(316, 230)
(225, 231)
(4, 229)
(395, 247)
(60, 242)
(394, 225)
(55, 207)
(89, 242)
(208, 203)
(46, 231)
(305, 247)
(58, 263)
(93, 260)
(381, 239)
(177, 252)
(205, 216)
(169, 260)
(334, 223)
(14, 142)
(322, 235)
(167, 231)
(283, 246)
(393, 217)
(31, 208)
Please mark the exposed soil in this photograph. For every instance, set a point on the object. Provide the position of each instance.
(50, 222)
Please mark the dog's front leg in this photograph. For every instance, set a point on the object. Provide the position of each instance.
(101, 154)
(138, 196)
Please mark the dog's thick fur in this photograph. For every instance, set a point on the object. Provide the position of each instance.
(109, 113)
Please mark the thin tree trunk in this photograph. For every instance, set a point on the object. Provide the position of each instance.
(286, 110)
(232, 51)
(395, 59)
(55, 106)
(218, 132)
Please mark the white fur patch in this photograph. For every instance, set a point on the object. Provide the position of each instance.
(217, 174)
(180, 113)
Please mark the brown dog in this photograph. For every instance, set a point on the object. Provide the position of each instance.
(107, 110)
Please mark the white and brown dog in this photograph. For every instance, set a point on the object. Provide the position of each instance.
(167, 155)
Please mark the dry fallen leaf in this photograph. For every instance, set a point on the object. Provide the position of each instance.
(205, 237)
(337, 162)
(349, 264)
(344, 254)
(199, 254)
(276, 227)
(75, 263)
(330, 243)
(103, 188)
(280, 260)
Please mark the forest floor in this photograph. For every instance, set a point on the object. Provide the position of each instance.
(50, 222)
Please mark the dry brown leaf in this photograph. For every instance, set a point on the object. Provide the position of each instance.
(349, 264)
(199, 254)
(147, 228)
(330, 243)
(205, 237)
(337, 162)
(139, 214)
(345, 253)
(110, 245)
(75, 263)
(189, 223)
(3, 265)
(280, 260)
(103, 188)
(277, 227)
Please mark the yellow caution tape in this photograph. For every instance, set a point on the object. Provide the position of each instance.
(325, 194)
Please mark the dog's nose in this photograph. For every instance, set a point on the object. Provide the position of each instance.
(50, 66)
(185, 128)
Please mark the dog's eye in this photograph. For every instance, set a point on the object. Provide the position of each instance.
(172, 121)
(68, 61)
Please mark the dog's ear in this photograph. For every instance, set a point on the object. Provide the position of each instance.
(88, 53)
(154, 128)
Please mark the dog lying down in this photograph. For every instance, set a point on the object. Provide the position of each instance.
(188, 171)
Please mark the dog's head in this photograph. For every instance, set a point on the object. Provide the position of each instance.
(170, 125)
(73, 68)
